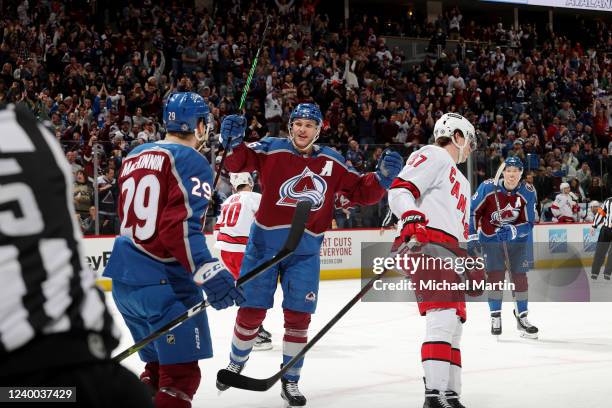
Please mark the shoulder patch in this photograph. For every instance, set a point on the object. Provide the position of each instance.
(529, 188)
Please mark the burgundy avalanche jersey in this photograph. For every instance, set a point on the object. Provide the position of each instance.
(516, 207)
(164, 192)
(287, 177)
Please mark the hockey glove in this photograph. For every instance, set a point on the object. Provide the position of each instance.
(388, 167)
(474, 279)
(413, 229)
(474, 249)
(506, 232)
(218, 283)
(233, 128)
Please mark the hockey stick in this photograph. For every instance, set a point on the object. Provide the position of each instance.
(495, 189)
(254, 384)
(298, 224)
(245, 91)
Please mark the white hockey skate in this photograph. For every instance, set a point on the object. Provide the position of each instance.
(264, 340)
(291, 394)
(233, 367)
(496, 323)
(527, 330)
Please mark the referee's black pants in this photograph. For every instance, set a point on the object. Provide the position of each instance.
(603, 247)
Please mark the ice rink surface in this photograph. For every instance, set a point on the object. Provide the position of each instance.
(371, 358)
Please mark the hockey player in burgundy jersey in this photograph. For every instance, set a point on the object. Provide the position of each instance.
(509, 226)
(232, 233)
(160, 264)
(292, 169)
(430, 198)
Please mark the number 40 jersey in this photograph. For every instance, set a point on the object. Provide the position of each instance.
(164, 192)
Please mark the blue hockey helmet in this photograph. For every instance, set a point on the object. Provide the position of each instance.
(306, 111)
(514, 161)
(183, 111)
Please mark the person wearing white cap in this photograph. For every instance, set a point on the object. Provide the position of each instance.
(592, 211)
(565, 206)
(232, 233)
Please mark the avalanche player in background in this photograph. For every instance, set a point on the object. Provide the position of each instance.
(160, 263)
(430, 198)
(232, 228)
(510, 226)
(292, 169)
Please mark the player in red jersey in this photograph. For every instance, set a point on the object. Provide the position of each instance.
(431, 199)
(292, 169)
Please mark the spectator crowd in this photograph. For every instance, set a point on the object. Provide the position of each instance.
(97, 75)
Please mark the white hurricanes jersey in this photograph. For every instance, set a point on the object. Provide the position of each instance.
(431, 183)
(234, 223)
(563, 206)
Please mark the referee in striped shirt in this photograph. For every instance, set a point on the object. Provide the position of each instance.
(55, 330)
(604, 218)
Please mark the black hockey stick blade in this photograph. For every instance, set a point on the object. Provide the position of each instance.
(298, 224)
(255, 384)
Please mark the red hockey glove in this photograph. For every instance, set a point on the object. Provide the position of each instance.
(413, 228)
(575, 208)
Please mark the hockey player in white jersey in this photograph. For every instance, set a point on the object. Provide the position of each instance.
(431, 199)
(592, 211)
(565, 207)
(232, 233)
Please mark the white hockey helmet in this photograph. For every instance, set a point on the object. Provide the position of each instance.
(446, 127)
(239, 179)
(594, 204)
(563, 186)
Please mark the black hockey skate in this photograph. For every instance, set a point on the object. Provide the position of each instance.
(527, 330)
(496, 324)
(435, 399)
(264, 340)
(291, 394)
(452, 398)
(233, 367)
(607, 277)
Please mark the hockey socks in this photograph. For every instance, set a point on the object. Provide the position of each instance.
(178, 384)
(150, 376)
(246, 329)
(440, 353)
(294, 340)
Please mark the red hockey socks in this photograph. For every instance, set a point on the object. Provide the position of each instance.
(150, 375)
(247, 325)
(294, 340)
(178, 384)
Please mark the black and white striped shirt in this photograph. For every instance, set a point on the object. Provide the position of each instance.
(46, 287)
(604, 214)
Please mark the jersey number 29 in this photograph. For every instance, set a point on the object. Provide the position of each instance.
(143, 198)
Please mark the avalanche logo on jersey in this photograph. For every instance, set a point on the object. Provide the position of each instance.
(506, 215)
(306, 186)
